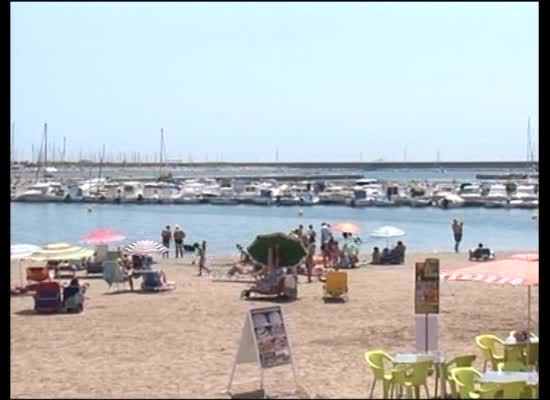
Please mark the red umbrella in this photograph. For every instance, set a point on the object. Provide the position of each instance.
(102, 236)
(521, 269)
(345, 227)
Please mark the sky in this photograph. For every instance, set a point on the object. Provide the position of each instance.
(250, 81)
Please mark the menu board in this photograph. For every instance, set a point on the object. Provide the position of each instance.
(271, 337)
(427, 287)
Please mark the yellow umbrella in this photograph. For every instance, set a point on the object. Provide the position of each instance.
(60, 251)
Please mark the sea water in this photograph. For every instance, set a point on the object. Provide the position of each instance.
(427, 229)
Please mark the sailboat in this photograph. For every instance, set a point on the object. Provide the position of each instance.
(43, 191)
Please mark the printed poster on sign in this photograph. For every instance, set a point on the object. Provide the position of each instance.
(271, 336)
(427, 287)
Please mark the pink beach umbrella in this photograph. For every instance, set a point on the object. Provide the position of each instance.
(102, 236)
(519, 270)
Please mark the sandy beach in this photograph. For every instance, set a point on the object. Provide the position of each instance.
(181, 344)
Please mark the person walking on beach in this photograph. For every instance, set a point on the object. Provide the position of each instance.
(326, 235)
(166, 236)
(457, 232)
(201, 251)
(179, 235)
(311, 234)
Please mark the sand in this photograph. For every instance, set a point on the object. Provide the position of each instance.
(182, 344)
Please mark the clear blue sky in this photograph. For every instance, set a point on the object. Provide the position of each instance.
(322, 81)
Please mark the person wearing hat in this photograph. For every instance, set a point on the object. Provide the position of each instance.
(179, 235)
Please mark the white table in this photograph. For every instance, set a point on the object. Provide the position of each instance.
(438, 358)
(531, 378)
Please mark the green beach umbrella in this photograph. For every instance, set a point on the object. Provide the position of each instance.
(287, 251)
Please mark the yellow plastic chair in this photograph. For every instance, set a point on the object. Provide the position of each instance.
(418, 377)
(515, 390)
(390, 378)
(532, 354)
(513, 366)
(461, 361)
(336, 285)
(464, 379)
(488, 344)
(515, 353)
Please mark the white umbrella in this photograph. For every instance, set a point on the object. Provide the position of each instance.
(145, 247)
(387, 232)
(19, 251)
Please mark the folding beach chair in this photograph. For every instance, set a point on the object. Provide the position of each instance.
(113, 275)
(336, 286)
(47, 298)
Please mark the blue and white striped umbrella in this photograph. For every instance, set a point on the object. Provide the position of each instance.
(145, 247)
(19, 251)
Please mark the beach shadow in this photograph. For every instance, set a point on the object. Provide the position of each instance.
(32, 313)
(124, 291)
(335, 300)
(277, 300)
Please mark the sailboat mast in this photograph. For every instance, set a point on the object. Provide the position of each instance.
(45, 144)
(161, 150)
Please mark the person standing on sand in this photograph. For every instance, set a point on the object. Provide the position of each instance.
(457, 232)
(179, 235)
(326, 235)
(201, 251)
(166, 236)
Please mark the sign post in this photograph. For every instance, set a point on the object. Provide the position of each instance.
(264, 341)
(427, 301)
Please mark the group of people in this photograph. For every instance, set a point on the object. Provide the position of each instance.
(333, 255)
(177, 236)
(387, 256)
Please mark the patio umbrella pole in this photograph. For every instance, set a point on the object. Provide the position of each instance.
(528, 322)
(20, 274)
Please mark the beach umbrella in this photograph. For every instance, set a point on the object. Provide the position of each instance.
(513, 271)
(387, 232)
(102, 236)
(345, 227)
(288, 251)
(145, 248)
(60, 251)
(20, 251)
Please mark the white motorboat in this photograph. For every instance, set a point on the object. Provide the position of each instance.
(497, 193)
(450, 200)
(43, 191)
(335, 195)
(248, 193)
(420, 202)
(471, 194)
(226, 197)
(266, 197)
(525, 192)
(131, 192)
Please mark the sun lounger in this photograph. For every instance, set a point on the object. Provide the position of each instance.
(154, 281)
(336, 286)
(47, 298)
(481, 254)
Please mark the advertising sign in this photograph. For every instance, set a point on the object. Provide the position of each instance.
(427, 287)
(271, 336)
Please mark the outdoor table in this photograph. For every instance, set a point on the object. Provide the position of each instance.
(530, 378)
(438, 358)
